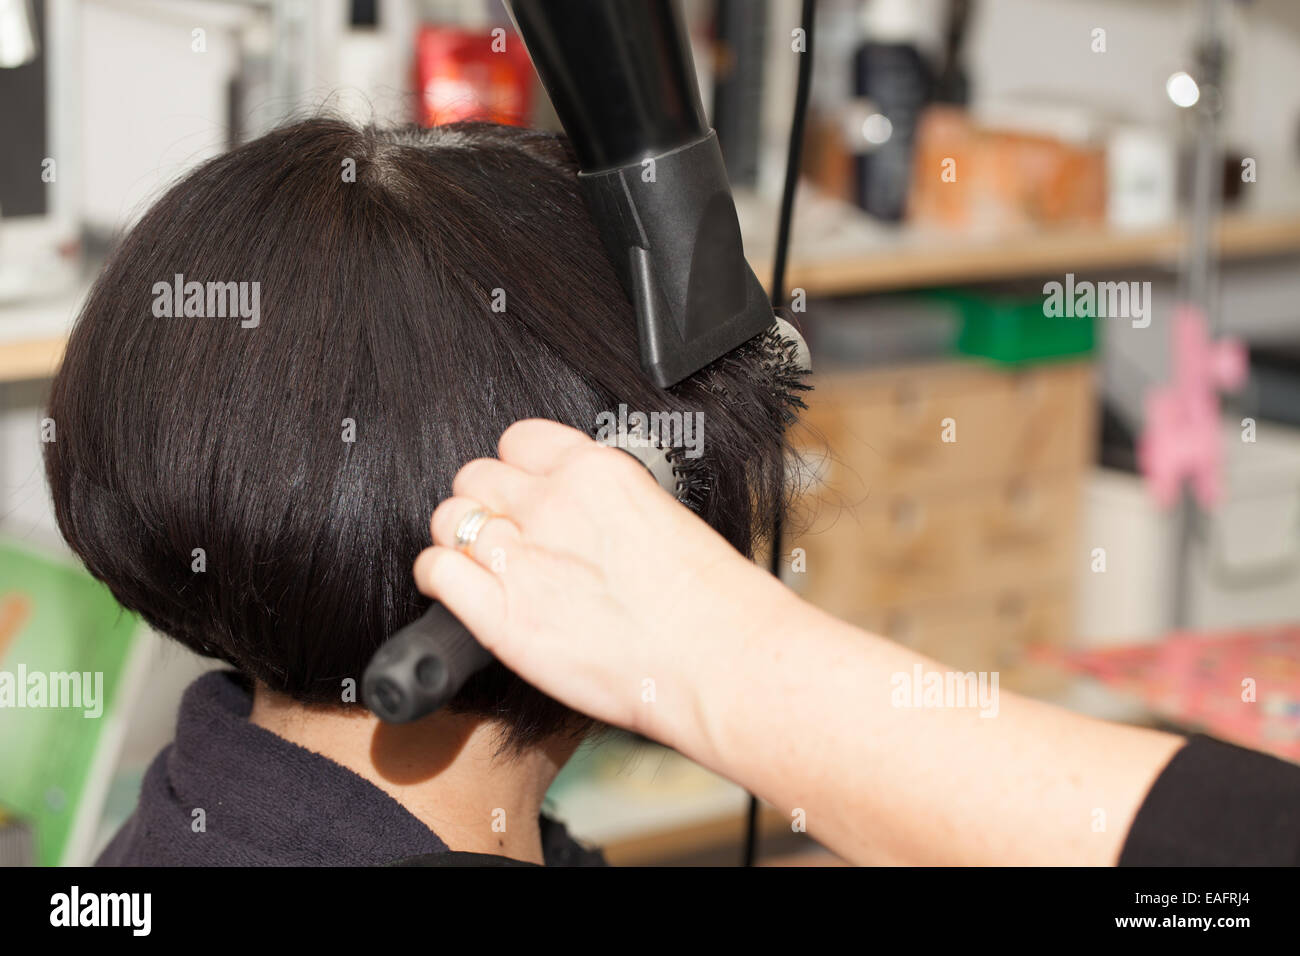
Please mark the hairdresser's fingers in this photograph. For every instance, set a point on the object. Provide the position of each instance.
(540, 446)
(497, 539)
(502, 488)
(466, 588)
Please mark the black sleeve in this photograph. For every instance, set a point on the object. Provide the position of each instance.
(1218, 805)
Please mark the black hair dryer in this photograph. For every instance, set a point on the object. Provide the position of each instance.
(622, 81)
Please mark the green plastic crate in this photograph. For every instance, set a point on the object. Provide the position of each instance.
(1011, 329)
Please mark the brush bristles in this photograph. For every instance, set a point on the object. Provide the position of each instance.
(747, 400)
(769, 361)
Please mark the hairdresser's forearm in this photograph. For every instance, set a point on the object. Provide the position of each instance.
(800, 710)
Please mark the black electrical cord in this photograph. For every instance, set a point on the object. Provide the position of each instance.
(793, 156)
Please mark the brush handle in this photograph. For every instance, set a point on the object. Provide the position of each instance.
(425, 664)
(422, 667)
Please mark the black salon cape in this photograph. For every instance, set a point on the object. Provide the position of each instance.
(269, 802)
(1218, 805)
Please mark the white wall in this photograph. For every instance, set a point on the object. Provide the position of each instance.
(151, 106)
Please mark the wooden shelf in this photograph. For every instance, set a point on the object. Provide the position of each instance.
(31, 358)
(912, 260)
(684, 840)
(34, 332)
(883, 261)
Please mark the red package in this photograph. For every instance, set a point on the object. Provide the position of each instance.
(472, 75)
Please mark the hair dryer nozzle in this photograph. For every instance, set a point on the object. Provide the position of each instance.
(622, 81)
(670, 228)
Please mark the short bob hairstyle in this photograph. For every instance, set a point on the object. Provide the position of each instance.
(255, 476)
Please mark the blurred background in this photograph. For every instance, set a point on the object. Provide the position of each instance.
(1001, 476)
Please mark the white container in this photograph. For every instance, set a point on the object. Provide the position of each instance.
(1141, 178)
(1244, 562)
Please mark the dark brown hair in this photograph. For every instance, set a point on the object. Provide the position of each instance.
(379, 257)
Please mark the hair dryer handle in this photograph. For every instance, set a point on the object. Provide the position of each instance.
(422, 667)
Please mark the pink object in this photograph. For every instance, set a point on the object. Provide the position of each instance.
(1182, 440)
(1241, 686)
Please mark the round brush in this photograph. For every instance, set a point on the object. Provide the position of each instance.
(425, 664)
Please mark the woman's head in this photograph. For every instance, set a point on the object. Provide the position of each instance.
(251, 463)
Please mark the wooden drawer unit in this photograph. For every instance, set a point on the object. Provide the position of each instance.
(902, 548)
(886, 430)
(1001, 632)
(964, 550)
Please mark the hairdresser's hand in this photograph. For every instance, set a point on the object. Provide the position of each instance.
(604, 583)
(593, 583)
